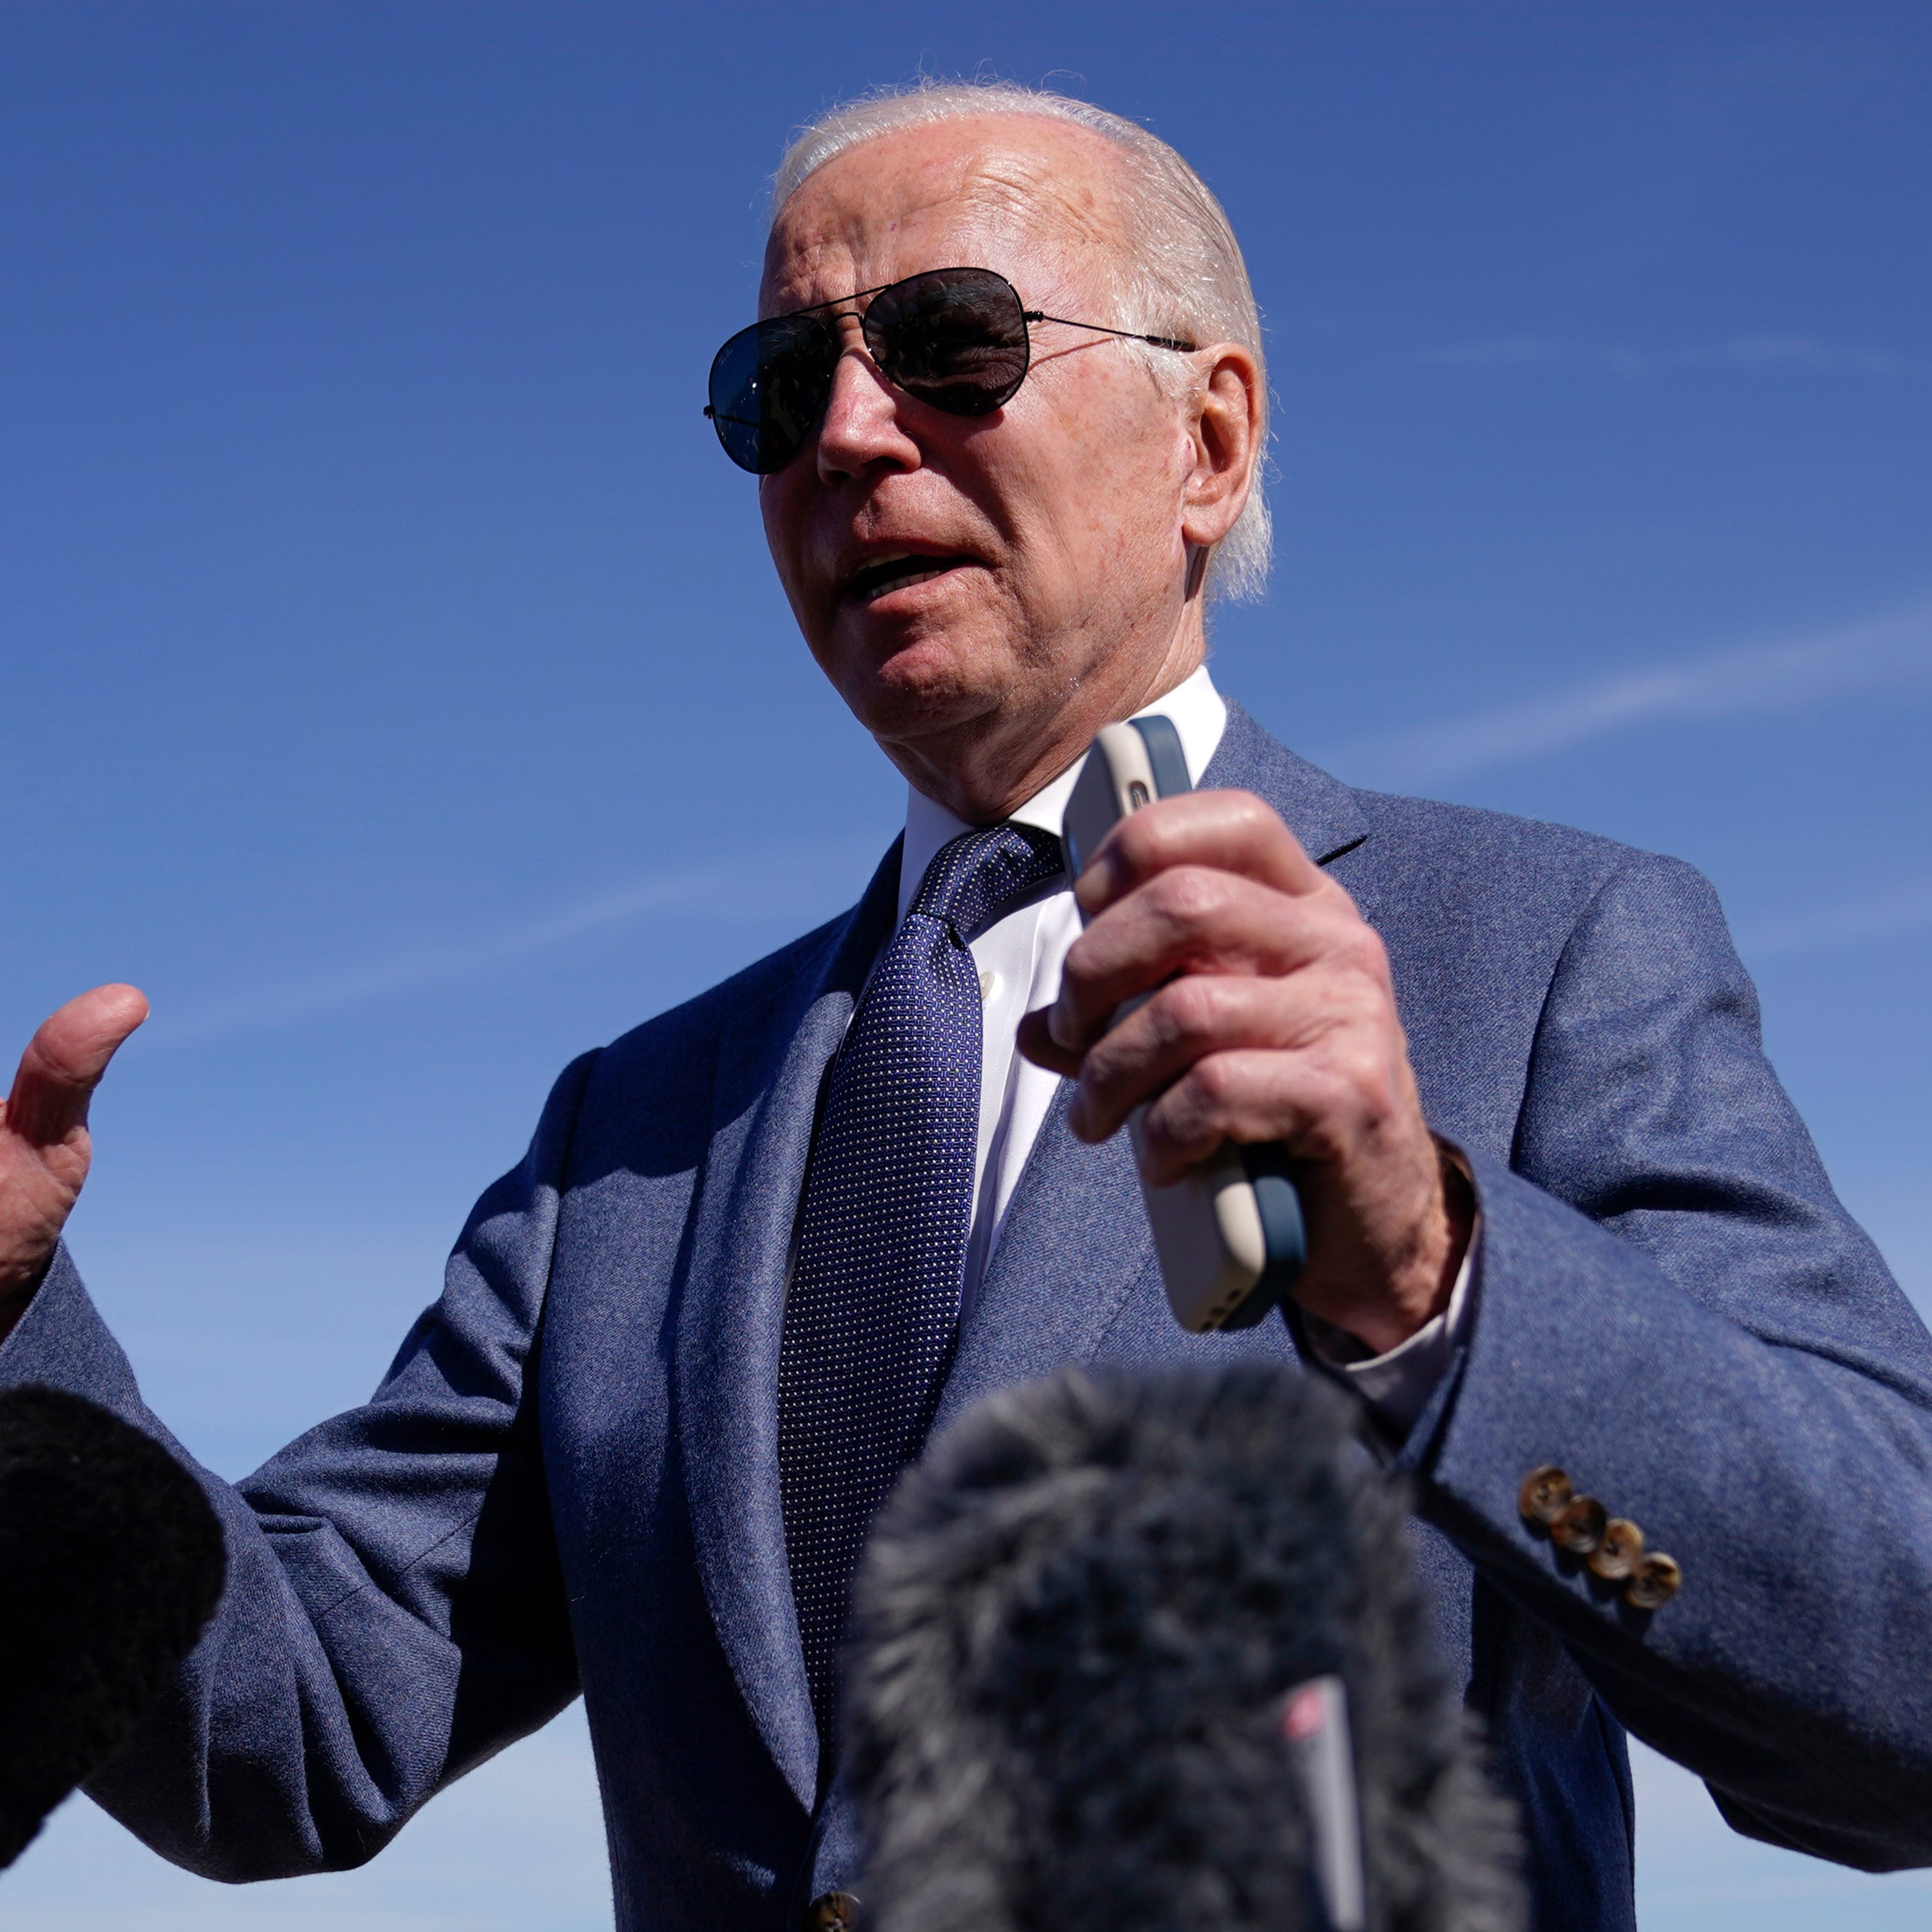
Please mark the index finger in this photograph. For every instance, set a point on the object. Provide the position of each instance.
(1229, 831)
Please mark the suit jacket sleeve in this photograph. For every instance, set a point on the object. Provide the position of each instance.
(1676, 1310)
(393, 1612)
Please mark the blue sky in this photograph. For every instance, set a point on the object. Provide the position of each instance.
(396, 688)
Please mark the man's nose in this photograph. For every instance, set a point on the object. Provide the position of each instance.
(862, 426)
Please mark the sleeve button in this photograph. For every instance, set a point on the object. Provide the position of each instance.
(1653, 1582)
(1617, 1556)
(1580, 1529)
(1544, 1496)
(832, 1912)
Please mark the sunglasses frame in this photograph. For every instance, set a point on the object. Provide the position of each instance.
(1028, 316)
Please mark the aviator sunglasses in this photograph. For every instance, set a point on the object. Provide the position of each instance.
(957, 339)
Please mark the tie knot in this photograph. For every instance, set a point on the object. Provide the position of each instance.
(975, 875)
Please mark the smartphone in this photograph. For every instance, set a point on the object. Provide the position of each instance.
(1229, 1235)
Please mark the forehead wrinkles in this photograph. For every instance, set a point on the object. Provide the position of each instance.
(1073, 216)
(850, 220)
(999, 204)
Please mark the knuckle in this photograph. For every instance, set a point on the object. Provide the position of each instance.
(1185, 896)
(1251, 812)
(1215, 1081)
(1356, 1014)
(1169, 1129)
(1363, 1074)
(1188, 1010)
(1360, 947)
(1349, 1092)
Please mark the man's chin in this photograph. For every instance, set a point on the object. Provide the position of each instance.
(933, 681)
(910, 715)
(930, 730)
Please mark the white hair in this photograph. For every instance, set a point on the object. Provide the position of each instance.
(1180, 273)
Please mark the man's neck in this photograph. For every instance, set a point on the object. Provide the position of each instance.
(1199, 714)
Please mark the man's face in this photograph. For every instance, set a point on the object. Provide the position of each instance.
(960, 580)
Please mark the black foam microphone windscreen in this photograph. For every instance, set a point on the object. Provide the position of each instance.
(1135, 1652)
(111, 1562)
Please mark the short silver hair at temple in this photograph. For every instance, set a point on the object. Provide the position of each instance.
(1181, 273)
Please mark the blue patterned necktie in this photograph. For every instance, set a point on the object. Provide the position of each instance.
(883, 1226)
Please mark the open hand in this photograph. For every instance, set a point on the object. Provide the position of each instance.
(44, 1148)
(1272, 1018)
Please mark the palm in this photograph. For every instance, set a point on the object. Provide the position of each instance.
(44, 1148)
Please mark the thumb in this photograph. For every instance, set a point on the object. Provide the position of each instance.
(64, 1060)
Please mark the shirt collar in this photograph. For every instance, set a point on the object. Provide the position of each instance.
(1199, 713)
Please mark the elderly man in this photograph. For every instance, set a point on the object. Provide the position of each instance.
(1666, 1418)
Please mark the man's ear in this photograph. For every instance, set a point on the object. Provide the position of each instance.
(1230, 410)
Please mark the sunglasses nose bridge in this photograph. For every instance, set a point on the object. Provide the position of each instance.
(861, 420)
(851, 343)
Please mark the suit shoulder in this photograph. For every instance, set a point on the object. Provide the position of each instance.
(1489, 836)
(1528, 858)
(1424, 852)
(1443, 881)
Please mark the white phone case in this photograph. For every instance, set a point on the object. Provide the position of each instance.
(1228, 1236)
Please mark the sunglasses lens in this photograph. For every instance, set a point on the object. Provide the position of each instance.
(768, 385)
(956, 339)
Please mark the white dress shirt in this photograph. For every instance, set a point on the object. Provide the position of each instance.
(1018, 958)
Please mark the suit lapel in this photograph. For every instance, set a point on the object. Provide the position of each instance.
(1320, 811)
(771, 1064)
(1075, 1241)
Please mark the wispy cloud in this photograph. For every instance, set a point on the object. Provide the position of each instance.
(1784, 675)
(1610, 358)
(1906, 908)
(801, 882)
(797, 882)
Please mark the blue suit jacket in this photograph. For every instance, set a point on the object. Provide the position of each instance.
(568, 1478)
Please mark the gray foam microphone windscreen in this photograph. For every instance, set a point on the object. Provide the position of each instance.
(1078, 1697)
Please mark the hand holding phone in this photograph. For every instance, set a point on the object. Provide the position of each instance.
(1229, 1236)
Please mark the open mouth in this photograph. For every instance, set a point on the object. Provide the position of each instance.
(897, 573)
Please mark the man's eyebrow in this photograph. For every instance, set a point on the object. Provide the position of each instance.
(857, 295)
